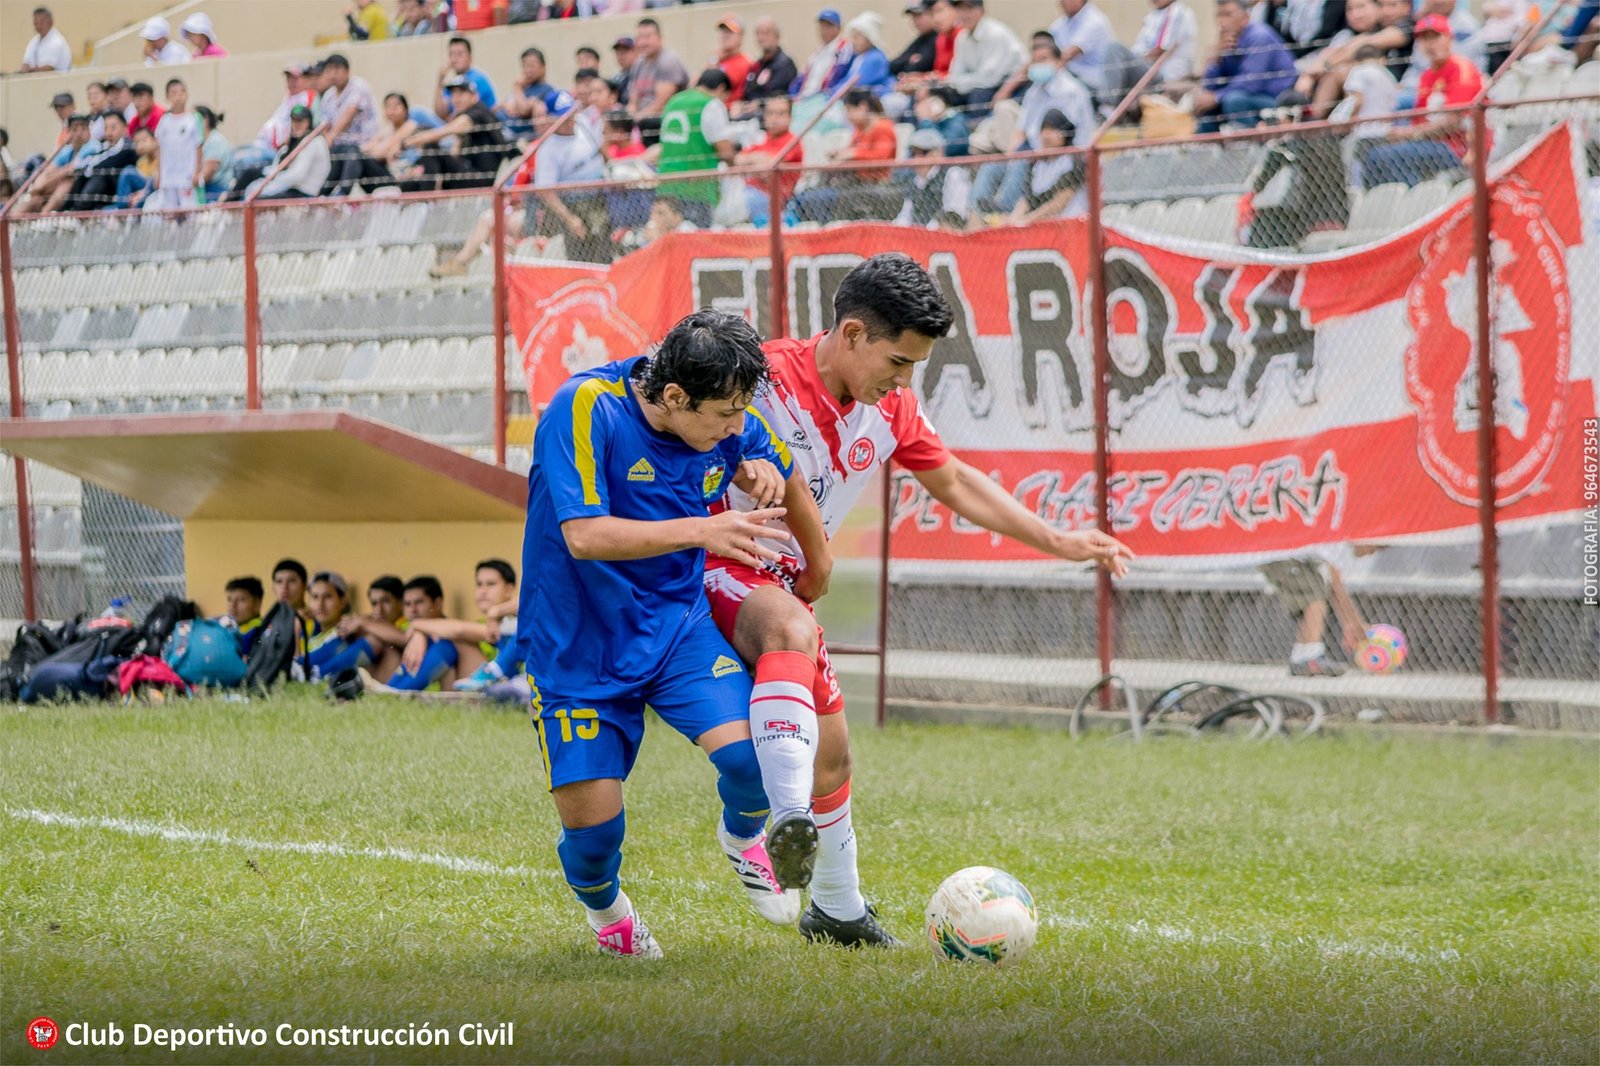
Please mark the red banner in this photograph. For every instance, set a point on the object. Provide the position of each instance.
(1259, 403)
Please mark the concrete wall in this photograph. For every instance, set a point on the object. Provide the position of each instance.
(248, 85)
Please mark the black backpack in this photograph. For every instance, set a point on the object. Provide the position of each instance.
(86, 668)
(273, 655)
(163, 619)
(34, 643)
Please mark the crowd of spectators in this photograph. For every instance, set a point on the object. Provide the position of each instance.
(965, 85)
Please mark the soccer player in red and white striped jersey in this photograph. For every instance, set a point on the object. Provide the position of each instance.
(841, 402)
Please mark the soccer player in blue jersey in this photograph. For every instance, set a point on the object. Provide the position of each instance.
(627, 458)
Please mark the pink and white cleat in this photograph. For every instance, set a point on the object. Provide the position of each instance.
(753, 866)
(628, 939)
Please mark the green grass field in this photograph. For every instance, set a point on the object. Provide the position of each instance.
(1357, 898)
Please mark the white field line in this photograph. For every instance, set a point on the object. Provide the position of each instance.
(1138, 930)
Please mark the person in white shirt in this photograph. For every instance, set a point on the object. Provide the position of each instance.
(1370, 92)
(180, 136)
(1051, 87)
(814, 75)
(48, 50)
(159, 47)
(1168, 27)
(1083, 31)
(572, 154)
(987, 54)
(304, 176)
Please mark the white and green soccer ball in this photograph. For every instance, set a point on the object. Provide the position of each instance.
(981, 914)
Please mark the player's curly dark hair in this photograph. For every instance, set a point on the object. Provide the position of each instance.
(890, 294)
(711, 355)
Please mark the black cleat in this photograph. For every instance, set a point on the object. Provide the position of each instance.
(816, 926)
(792, 847)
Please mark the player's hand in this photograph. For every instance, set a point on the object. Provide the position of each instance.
(416, 648)
(812, 583)
(738, 535)
(761, 481)
(1091, 545)
(349, 626)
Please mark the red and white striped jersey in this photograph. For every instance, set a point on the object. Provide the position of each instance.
(838, 448)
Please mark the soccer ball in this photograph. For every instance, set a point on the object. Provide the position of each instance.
(1383, 650)
(981, 914)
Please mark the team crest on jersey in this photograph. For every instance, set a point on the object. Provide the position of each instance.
(642, 471)
(725, 666)
(711, 486)
(861, 454)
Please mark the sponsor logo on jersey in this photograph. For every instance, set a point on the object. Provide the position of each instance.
(712, 483)
(725, 666)
(861, 454)
(642, 471)
(781, 725)
(798, 441)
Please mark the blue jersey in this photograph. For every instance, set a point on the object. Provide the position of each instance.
(601, 628)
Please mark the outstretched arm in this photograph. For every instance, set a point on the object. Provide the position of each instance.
(970, 494)
(735, 534)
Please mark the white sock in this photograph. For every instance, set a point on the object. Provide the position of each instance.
(1304, 653)
(836, 883)
(620, 908)
(783, 724)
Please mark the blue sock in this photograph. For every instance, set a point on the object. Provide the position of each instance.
(744, 801)
(440, 657)
(591, 858)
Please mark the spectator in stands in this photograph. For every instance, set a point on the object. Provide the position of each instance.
(935, 196)
(96, 100)
(413, 20)
(868, 65)
(244, 596)
(179, 136)
(695, 136)
(1504, 22)
(1083, 31)
(480, 15)
(987, 54)
(1055, 183)
(1397, 35)
(1581, 34)
(936, 110)
(1321, 73)
(386, 155)
(587, 57)
(458, 64)
(480, 143)
(351, 112)
(1468, 34)
(831, 55)
(64, 107)
(95, 185)
(300, 178)
(572, 154)
(146, 112)
(666, 216)
(49, 190)
(621, 136)
(730, 57)
(1433, 144)
(1168, 33)
(1370, 92)
(863, 193)
(1304, 25)
(1250, 67)
(119, 97)
(47, 50)
(625, 52)
(8, 168)
(777, 113)
(159, 47)
(198, 31)
(216, 156)
(595, 98)
(1052, 87)
(366, 21)
(770, 75)
(533, 98)
(917, 57)
(567, 9)
(251, 161)
(656, 76)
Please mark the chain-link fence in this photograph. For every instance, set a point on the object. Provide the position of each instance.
(1287, 388)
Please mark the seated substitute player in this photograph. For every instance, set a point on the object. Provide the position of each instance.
(328, 653)
(423, 601)
(244, 607)
(384, 625)
(614, 616)
(477, 643)
(843, 403)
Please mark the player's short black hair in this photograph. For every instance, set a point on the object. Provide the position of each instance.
(499, 566)
(250, 586)
(428, 584)
(388, 583)
(711, 355)
(891, 294)
(294, 566)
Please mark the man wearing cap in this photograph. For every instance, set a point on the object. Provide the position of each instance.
(47, 50)
(772, 72)
(197, 30)
(987, 54)
(49, 190)
(352, 113)
(159, 47)
(730, 57)
(832, 54)
(936, 196)
(147, 113)
(480, 144)
(534, 99)
(63, 105)
(1433, 144)
(119, 98)
(917, 58)
(253, 160)
(625, 52)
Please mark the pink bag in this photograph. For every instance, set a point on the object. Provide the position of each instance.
(148, 670)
